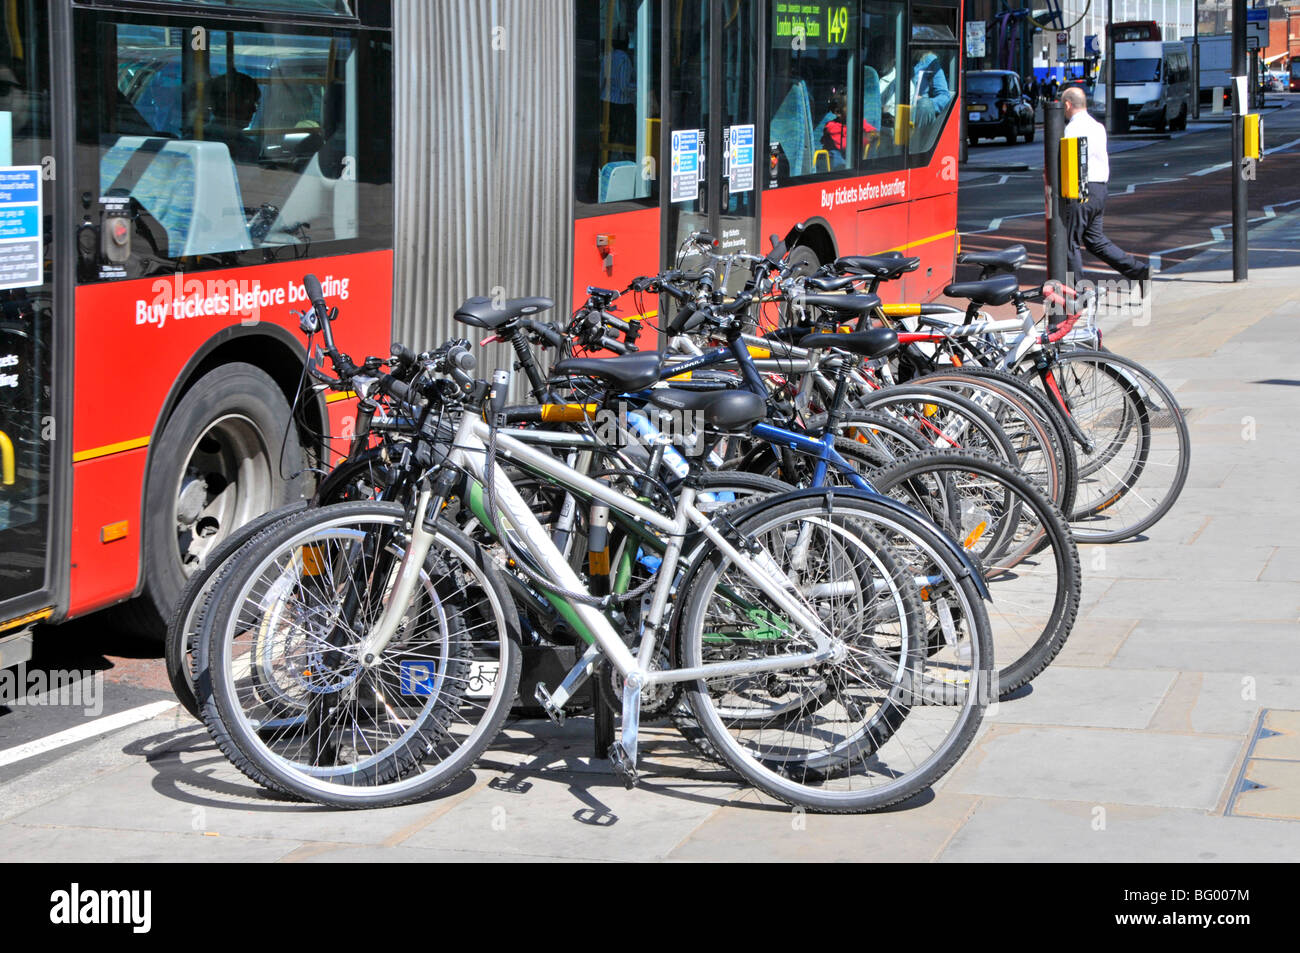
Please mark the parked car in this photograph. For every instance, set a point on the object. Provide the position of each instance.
(996, 106)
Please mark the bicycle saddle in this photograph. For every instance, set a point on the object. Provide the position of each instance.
(1008, 259)
(879, 266)
(481, 313)
(832, 284)
(847, 304)
(719, 409)
(876, 342)
(632, 372)
(996, 290)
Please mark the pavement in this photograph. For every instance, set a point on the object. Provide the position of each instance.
(1167, 730)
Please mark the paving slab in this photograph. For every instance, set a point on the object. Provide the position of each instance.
(70, 844)
(909, 834)
(1088, 697)
(1228, 646)
(1027, 831)
(581, 816)
(1102, 766)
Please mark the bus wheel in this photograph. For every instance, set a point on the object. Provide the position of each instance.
(803, 261)
(218, 464)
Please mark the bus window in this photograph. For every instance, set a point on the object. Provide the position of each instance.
(616, 103)
(882, 38)
(932, 77)
(252, 143)
(814, 101)
(344, 8)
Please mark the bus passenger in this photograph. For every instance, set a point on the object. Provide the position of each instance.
(233, 100)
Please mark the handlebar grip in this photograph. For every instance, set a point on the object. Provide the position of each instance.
(678, 323)
(402, 391)
(618, 324)
(461, 359)
(547, 332)
(694, 322)
(403, 353)
(613, 344)
(317, 297)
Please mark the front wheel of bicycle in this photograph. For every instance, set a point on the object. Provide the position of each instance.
(285, 694)
(880, 720)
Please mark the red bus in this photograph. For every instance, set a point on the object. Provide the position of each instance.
(745, 118)
(168, 172)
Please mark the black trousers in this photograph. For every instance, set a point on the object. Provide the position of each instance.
(1083, 230)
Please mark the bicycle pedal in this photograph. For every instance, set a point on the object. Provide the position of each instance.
(553, 711)
(622, 764)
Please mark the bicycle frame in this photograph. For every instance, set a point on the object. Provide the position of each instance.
(516, 516)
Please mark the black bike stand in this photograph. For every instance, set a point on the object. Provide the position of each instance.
(603, 720)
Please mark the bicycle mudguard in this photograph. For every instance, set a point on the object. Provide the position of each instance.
(344, 471)
(963, 558)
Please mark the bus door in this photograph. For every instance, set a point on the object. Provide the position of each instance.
(616, 142)
(28, 437)
(711, 167)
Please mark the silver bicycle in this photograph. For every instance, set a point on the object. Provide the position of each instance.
(832, 644)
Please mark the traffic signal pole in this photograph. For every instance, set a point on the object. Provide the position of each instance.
(1053, 130)
(1240, 254)
(1196, 59)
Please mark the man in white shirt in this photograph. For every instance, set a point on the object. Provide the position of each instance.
(1083, 219)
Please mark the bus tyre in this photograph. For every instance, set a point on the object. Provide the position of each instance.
(226, 455)
(803, 261)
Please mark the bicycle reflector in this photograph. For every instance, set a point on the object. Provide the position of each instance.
(1254, 141)
(1074, 168)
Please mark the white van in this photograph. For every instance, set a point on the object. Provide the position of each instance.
(1156, 79)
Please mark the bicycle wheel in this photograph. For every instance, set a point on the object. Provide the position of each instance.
(1021, 541)
(1141, 451)
(1028, 419)
(351, 479)
(882, 720)
(944, 420)
(181, 628)
(286, 697)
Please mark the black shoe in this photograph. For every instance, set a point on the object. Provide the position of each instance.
(1142, 274)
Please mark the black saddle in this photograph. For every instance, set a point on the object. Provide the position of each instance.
(996, 290)
(718, 409)
(633, 372)
(481, 313)
(831, 284)
(845, 304)
(873, 343)
(1008, 259)
(888, 266)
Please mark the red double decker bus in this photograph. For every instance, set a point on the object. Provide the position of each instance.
(745, 118)
(168, 173)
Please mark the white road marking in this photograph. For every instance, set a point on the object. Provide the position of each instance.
(1284, 146)
(1213, 168)
(90, 729)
